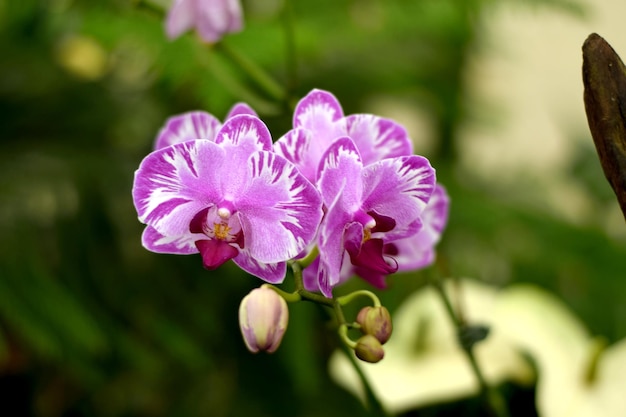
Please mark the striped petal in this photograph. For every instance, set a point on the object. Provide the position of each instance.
(340, 173)
(319, 111)
(399, 188)
(181, 245)
(378, 138)
(174, 183)
(295, 146)
(274, 273)
(280, 209)
(331, 246)
(418, 251)
(187, 126)
(318, 122)
(240, 108)
(245, 133)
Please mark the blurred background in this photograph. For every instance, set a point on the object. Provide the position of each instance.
(92, 324)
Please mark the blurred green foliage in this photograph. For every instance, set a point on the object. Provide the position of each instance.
(91, 324)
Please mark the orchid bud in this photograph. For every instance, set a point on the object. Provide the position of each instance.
(369, 349)
(375, 321)
(263, 317)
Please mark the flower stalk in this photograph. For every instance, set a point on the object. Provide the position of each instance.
(492, 397)
(374, 405)
(291, 62)
(256, 73)
(347, 345)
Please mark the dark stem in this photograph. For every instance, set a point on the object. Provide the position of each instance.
(492, 397)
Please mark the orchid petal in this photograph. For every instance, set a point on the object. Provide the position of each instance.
(240, 108)
(436, 212)
(244, 133)
(331, 246)
(181, 245)
(417, 251)
(353, 237)
(309, 276)
(340, 173)
(378, 138)
(323, 278)
(399, 188)
(187, 126)
(318, 112)
(174, 183)
(180, 18)
(215, 252)
(280, 209)
(274, 273)
(376, 279)
(414, 252)
(218, 17)
(370, 257)
(295, 146)
(367, 257)
(321, 115)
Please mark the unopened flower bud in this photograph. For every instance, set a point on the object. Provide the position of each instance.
(263, 317)
(369, 349)
(375, 321)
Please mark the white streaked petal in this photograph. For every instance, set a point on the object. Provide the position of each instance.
(181, 245)
(246, 133)
(280, 209)
(274, 273)
(340, 172)
(174, 183)
(240, 108)
(319, 111)
(298, 148)
(378, 138)
(187, 126)
(399, 188)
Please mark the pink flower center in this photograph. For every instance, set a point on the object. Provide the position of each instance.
(221, 226)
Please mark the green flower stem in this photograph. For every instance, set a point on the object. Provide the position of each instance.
(349, 297)
(492, 397)
(343, 335)
(256, 73)
(307, 260)
(346, 344)
(234, 85)
(288, 18)
(371, 400)
(290, 297)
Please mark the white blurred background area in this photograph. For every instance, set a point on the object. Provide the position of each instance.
(529, 77)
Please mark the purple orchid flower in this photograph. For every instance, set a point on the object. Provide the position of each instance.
(418, 251)
(367, 206)
(319, 121)
(231, 198)
(211, 18)
(195, 125)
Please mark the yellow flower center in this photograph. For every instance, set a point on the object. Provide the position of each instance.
(221, 230)
(367, 234)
